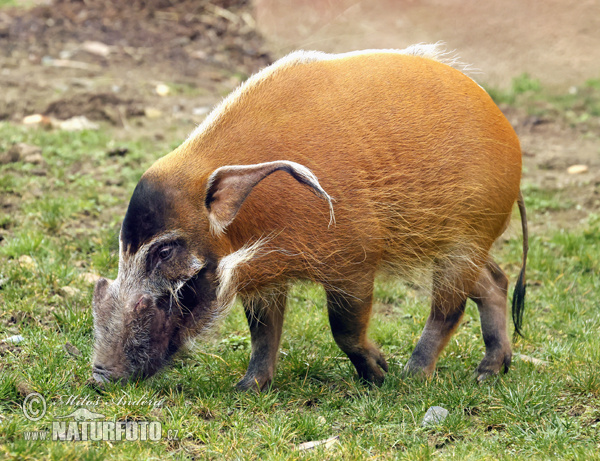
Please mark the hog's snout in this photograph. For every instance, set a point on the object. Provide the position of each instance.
(134, 336)
(100, 374)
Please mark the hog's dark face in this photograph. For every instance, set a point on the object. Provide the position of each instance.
(165, 290)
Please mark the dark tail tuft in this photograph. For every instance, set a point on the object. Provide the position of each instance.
(518, 301)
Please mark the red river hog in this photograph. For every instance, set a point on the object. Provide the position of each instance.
(325, 167)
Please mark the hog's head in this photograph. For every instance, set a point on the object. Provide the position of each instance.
(172, 276)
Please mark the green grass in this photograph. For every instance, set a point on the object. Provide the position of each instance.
(67, 222)
(24, 4)
(522, 85)
(577, 106)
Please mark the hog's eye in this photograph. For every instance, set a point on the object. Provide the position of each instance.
(165, 253)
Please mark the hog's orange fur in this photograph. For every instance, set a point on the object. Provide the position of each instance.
(422, 166)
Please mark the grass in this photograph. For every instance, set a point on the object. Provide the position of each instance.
(18, 3)
(579, 105)
(61, 220)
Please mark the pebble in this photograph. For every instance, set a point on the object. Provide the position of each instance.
(325, 443)
(78, 123)
(26, 150)
(37, 119)
(68, 291)
(26, 261)
(203, 110)
(434, 415)
(152, 113)
(162, 89)
(577, 169)
(16, 339)
(89, 277)
(97, 48)
(35, 159)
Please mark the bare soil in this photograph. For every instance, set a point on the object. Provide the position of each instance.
(106, 59)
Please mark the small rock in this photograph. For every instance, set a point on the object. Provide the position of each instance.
(326, 443)
(321, 420)
(199, 54)
(65, 54)
(16, 339)
(68, 291)
(35, 159)
(152, 113)
(89, 277)
(78, 123)
(37, 119)
(577, 169)
(97, 48)
(72, 350)
(162, 89)
(434, 415)
(204, 110)
(26, 261)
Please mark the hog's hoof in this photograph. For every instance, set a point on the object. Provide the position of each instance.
(371, 367)
(418, 374)
(492, 365)
(419, 366)
(253, 383)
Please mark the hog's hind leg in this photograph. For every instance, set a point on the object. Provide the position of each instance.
(448, 299)
(490, 295)
(349, 314)
(265, 319)
(445, 315)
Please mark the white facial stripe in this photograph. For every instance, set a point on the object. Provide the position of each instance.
(132, 275)
(145, 248)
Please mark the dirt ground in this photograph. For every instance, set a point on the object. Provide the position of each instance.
(105, 60)
(110, 61)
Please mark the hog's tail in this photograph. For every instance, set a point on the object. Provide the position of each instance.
(518, 301)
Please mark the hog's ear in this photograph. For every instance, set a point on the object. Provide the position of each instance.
(229, 186)
(100, 292)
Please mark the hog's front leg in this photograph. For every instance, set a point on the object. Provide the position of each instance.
(265, 318)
